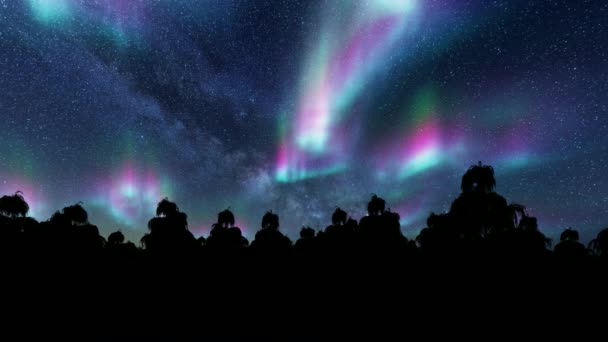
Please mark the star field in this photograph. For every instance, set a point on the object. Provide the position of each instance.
(302, 106)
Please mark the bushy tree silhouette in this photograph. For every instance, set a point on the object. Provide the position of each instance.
(599, 245)
(478, 178)
(269, 240)
(168, 231)
(14, 205)
(225, 237)
(479, 211)
(569, 247)
(116, 238)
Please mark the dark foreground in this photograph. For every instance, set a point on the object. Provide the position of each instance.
(482, 269)
(256, 296)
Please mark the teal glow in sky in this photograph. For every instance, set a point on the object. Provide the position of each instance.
(50, 10)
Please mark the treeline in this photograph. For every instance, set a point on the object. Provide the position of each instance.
(480, 222)
(483, 263)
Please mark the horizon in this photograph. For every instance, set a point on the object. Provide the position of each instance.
(302, 107)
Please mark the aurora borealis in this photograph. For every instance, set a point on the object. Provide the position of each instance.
(302, 106)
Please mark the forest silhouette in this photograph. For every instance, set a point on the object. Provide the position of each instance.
(352, 273)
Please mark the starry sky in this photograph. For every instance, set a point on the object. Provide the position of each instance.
(302, 106)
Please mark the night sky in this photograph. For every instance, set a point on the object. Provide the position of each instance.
(302, 106)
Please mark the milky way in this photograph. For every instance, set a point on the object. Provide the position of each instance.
(302, 106)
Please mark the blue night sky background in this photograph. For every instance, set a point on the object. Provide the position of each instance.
(302, 106)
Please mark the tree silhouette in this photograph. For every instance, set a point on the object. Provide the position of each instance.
(76, 214)
(479, 212)
(14, 205)
(339, 217)
(270, 221)
(269, 240)
(599, 245)
(169, 231)
(376, 206)
(569, 247)
(166, 208)
(116, 238)
(225, 237)
(478, 178)
(375, 209)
